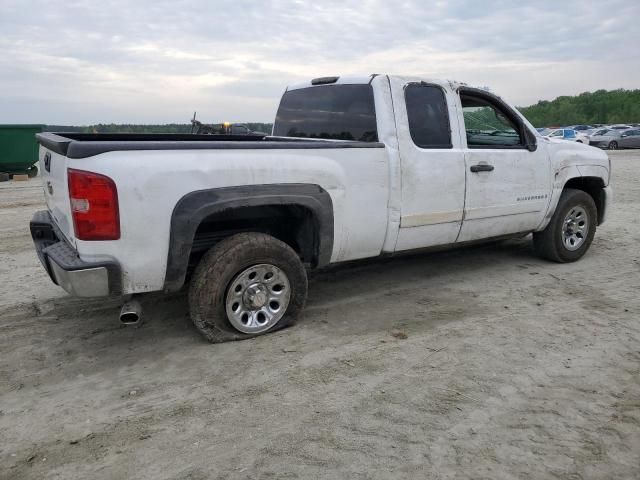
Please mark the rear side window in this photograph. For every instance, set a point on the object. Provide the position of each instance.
(339, 112)
(428, 116)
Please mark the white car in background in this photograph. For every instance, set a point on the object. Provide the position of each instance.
(569, 134)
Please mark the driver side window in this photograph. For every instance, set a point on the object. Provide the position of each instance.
(488, 125)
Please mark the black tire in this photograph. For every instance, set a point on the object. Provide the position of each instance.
(579, 141)
(33, 171)
(613, 145)
(222, 263)
(549, 243)
(4, 177)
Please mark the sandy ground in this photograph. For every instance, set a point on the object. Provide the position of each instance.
(512, 367)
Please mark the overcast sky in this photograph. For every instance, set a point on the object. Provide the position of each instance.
(151, 61)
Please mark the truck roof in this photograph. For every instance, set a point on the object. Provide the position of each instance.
(364, 79)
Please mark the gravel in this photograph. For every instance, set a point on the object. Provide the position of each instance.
(484, 362)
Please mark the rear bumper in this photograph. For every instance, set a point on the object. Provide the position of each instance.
(64, 266)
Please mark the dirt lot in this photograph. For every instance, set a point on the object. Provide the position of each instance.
(479, 363)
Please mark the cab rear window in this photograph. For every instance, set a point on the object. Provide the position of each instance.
(339, 112)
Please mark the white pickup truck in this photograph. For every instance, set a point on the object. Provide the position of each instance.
(355, 168)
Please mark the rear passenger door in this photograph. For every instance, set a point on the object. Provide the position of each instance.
(508, 175)
(432, 164)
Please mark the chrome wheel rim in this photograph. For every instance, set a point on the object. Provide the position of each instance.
(257, 298)
(575, 228)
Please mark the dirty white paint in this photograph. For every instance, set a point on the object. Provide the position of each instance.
(516, 192)
(571, 160)
(356, 180)
(397, 198)
(56, 192)
(433, 180)
(419, 220)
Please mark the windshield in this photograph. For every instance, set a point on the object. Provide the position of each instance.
(340, 112)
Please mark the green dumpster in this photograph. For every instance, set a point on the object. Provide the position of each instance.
(19, 149)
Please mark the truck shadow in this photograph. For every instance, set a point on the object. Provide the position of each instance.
(349, 299)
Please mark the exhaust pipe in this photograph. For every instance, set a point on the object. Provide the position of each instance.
(131, 313)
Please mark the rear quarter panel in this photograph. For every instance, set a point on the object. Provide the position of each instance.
(150, 183)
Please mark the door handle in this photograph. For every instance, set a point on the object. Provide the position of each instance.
(481, 167)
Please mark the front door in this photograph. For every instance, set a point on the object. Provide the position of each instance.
(432, 164)
(508, 186)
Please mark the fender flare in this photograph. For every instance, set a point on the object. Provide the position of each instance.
(194, 207)
(562, 177)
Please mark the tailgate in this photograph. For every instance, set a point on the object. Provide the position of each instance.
(53, 168)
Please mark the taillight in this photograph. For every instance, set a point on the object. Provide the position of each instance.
(94, 206)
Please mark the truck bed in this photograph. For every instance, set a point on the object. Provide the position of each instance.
(82, 145)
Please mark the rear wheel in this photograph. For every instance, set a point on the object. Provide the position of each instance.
(613, 145)
(571, 229)
(247, 285)
(33, 171)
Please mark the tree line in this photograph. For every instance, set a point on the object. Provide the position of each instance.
(601, 106)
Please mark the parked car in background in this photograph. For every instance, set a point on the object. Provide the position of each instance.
(630, 138)
(581, 128)
(619, 127)
(568, 134)
(605, 138)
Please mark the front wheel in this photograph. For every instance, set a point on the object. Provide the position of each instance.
(571, 229)
(249, 284)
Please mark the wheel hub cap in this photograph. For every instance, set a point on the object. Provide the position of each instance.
(575, 228)
(257, 298)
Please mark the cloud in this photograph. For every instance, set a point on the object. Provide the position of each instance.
(158, 61)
